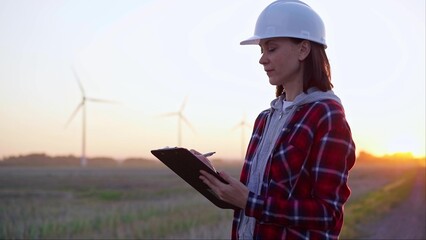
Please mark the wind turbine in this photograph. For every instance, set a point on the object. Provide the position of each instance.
(181, 118)
(82, 106)
(243, 125)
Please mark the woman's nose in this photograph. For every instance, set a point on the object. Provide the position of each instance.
(263, 59)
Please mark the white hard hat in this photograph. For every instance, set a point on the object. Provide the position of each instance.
(286, 18)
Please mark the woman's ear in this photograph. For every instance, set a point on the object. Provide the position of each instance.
(304, 49)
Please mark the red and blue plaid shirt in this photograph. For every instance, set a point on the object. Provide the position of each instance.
(305, 181)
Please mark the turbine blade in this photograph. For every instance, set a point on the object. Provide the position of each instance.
(102, 100)
(243, 123)
(80, 85)
(182, 107)
(188, 123)
(74, 113)
(171, 114)
(236, 126)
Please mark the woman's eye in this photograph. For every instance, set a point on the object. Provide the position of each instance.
(269, 49)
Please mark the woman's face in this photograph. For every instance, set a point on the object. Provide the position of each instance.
(281, 60)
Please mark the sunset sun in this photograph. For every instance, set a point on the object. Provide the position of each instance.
(406, 144)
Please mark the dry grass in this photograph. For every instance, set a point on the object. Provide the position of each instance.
(123, 203)
(103, 203)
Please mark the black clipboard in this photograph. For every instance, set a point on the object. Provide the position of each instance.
(187, 166)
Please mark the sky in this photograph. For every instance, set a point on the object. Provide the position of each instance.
(151, 55)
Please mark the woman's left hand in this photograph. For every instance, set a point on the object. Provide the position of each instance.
(234, 192)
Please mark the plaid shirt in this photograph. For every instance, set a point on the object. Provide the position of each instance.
(305, 181)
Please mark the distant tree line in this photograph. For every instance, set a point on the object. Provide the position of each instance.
(395, 158)
(43, 160)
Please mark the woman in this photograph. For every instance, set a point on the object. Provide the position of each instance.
(294, 180)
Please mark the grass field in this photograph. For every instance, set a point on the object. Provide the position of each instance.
(125, 203)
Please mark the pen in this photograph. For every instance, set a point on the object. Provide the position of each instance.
(208, 154)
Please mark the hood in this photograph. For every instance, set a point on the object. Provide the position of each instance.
(312, 95)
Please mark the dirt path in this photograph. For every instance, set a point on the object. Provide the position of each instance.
(406, 221)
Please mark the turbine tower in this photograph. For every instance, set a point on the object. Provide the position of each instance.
(181, 118)
(243, 125)
(82, 106)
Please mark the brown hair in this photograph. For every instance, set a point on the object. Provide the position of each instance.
(316, 71)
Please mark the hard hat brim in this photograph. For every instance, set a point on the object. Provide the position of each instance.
(251, 41)
(255, 40)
